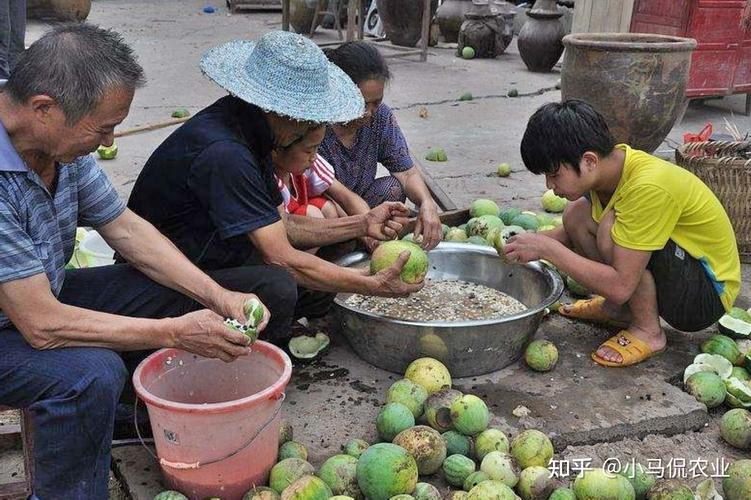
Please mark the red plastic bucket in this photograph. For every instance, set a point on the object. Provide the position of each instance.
(215, 424)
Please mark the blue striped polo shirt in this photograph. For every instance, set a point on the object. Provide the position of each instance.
(37, 228)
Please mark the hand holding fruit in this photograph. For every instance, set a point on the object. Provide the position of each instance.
(245, 308)
(204, 333)
(525, 247)
(389, 280)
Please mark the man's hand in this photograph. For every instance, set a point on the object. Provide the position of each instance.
(526, 247)
(230, 304)
(387, 283)
(204, 333)
(369, 243)
(428, 226)
(385, 221)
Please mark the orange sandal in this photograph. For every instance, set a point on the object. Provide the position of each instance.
(629, 346)
(591, 310)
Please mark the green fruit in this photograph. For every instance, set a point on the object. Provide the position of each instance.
(734, 327)
(425, 445)
(292, 449)
(341, 497)
(261, 493)
(532, 447)
(596, 484)
(436, 154)
(180, 113)
(735, 428)
(707, 387)
(355, 447)
(426, 491)
(535, 483)
(444, 230)
(385, 470)
(107, 153)
(737, 484)
(724, 346)
(640, 479)
(480, 226)
(459, 495)
(504, 170)
(474, 479)
(508, 214)
(438, 409)
(288, 471)
(469, 415)
(738, 390)
(456, 234)
(553, 203)
(409, 394)
(170, 495)
(490, 440)
(433, 346)
(575, 288)
(307, 488)
(491, 490)
(740, 373)
(457, 444)
(513, 93)
(670, 489)
(526, 221)
(706, 490)
(429, 373)
(456, 469)
(307, 347)
(740, 313)
(402, 496)
(468, 53)
(501, 467)
(387, 253)
(541, 355)
(467, 96)
(285, 432)
(340, 474)
(393, 419)
(483, 206)
(253, 310)
(562, 494)
(479, 240)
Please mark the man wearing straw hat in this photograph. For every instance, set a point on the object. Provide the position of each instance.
(210, 186)
(65, 335)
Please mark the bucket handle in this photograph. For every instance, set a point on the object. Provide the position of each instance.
(196, 465)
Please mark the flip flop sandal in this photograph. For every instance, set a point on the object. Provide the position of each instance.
(591, 310)
(629, 346)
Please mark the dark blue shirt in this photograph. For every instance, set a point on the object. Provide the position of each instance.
(211, 183)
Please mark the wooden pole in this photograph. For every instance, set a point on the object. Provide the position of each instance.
(285, 15)
(351, 13)
(425, 30)
(154, 126)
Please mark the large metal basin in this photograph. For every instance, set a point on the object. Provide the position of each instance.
(467, 348)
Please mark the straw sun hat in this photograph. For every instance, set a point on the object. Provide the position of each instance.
(287, 74)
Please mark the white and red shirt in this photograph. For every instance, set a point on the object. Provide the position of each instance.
(310, 184)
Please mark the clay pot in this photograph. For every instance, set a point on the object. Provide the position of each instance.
(59, 10)
(508, 13)
(301, 14)
(540, 38)
(636, 81)
(482, 30)
(402, 20)
(450, 16)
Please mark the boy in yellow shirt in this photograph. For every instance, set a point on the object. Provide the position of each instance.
(648, 237)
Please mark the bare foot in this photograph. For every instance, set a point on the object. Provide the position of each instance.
(656, 340)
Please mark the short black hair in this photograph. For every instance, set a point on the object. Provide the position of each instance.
(561, 132)
(360, 60)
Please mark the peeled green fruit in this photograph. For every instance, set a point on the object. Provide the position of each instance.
(430, 373)
(640, 479)
(724, 346)
(737, 486)
(734, 327)
(387, 253)
(504, 170)
(490, 440)
(307, 488)
(474, 479)
(355, 447)
(107, 152)
(532, 447)
(456, 469)
(438, 409)
(456, 234)
(596, 484)
(340, 474)
(426, 491)
(253, 310)
(385, 470)
(393, 419)
(740, 313)
(288, 471)
(707, 387)
(436, 154)
(740, 373)
(292, 449)
(501, 467)
(706, 490)
(409, 394)
(553, 203)
(425, 445)
(261, 493)
(735, 428)
(541, 355)
(483, 206)
(469, 415)
(562, 494)
(308, 347)
(457, 443)
(341, 497)
(468, 52)
(670, 489)
(170, 495)
(535, 483)
(491, 490)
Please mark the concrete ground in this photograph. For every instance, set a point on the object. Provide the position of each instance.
(590, 412)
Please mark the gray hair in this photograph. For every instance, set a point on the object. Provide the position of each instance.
(75, 64)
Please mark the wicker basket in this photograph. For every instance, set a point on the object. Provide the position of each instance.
(726, 168)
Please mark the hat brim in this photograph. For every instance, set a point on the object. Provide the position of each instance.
(225, 66)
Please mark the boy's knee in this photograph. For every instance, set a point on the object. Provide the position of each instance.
(577, 212)
(313, 211)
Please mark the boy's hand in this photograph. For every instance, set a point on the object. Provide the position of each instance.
(526, 247)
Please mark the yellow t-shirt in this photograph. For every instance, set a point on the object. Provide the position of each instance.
(656, 201)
